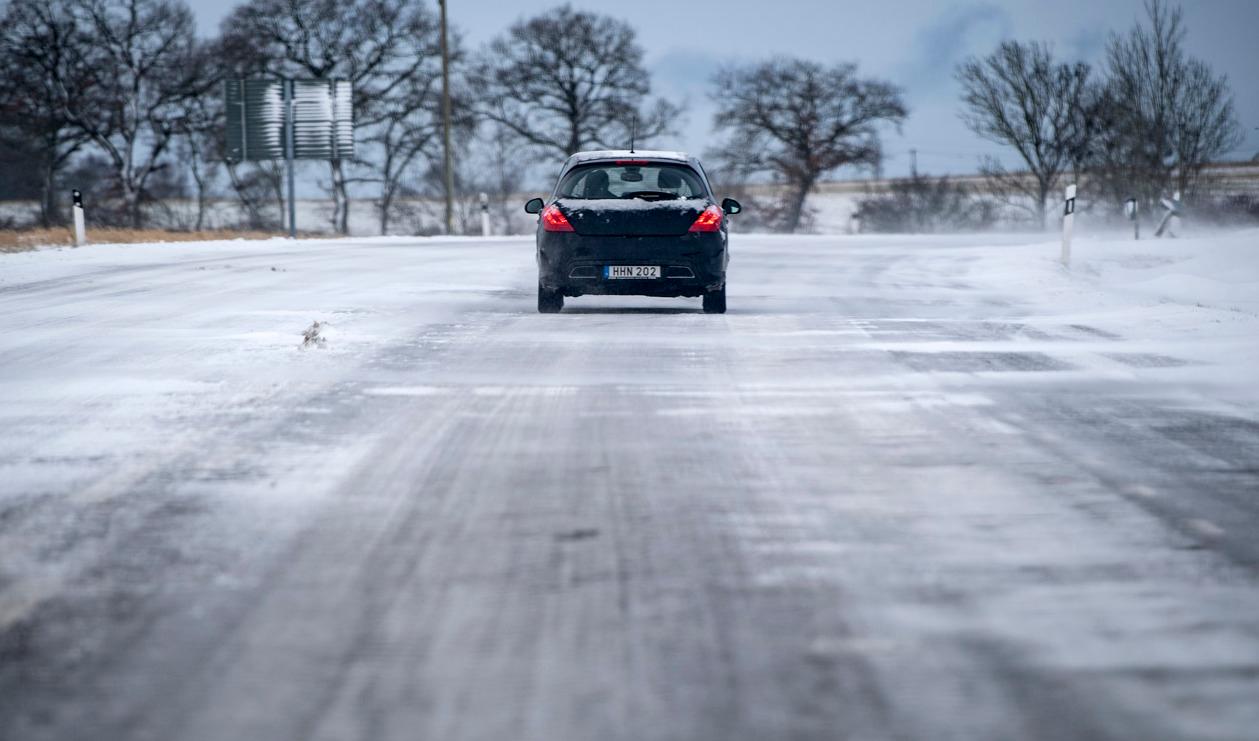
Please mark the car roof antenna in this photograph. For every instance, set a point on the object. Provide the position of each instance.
(633, 132)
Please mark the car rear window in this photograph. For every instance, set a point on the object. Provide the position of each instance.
(611, 180)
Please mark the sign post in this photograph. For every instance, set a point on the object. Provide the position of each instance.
(80, 230)
(1130, 208)
(1068, 225)
(288, 156)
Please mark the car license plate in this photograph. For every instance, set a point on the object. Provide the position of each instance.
(634, 272)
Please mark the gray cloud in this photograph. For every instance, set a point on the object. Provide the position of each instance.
(949, 39)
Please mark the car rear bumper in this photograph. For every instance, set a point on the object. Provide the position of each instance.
(690, 264)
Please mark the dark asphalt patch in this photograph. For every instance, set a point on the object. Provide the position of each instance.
(1233, 440)
(1095, 332)
(1147, 360)
(570, 536)
(977, 362)
(919, 331)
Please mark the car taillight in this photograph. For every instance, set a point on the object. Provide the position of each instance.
(709, 220)
(554, 220)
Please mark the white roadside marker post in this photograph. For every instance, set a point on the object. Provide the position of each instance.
(1171, 220)
(80, 230)
(485, 215)
(1130, 209)
(1173, 224)
(1068, 225)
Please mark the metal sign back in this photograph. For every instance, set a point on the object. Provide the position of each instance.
(323, 119)
(255, 119)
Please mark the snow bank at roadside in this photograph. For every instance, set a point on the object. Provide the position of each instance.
(1220, 272)
(1196, 299)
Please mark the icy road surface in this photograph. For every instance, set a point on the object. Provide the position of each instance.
(906, 489)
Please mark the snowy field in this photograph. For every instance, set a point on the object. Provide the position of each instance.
(907, 483)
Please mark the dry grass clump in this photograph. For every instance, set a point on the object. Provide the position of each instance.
(18, 240)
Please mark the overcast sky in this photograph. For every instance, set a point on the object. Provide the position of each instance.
(913, 43)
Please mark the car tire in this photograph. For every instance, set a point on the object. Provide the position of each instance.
(715, 301)
(549, 302)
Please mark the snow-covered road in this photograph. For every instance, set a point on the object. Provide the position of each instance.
(908, 488)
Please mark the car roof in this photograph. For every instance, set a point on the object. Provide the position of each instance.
(604, 155)
(624, 154)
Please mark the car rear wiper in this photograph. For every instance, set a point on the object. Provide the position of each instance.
(652, 195)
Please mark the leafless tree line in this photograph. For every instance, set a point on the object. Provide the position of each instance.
(109, 75)
(1142, 126)
(122, 95)
(125, 86)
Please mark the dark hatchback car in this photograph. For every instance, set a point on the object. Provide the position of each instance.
(632, 224)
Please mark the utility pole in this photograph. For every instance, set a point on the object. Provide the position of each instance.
(913, 162)
(450, 173)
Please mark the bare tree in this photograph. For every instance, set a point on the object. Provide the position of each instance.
(801, 120)
(505, 179)
(150, 63)
(402, 140)
(493, 164)
(570, 80)
(380, 46)
(259, 186)
(19, 171)
(1166, 114)
(1020, 97)
(41, 69)
(407, 132)
(202, 143)
(402, 130)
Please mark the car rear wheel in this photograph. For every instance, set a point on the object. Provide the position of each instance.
(715, 301)
(549, 302)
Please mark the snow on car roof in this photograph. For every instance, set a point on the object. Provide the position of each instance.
(622, 154)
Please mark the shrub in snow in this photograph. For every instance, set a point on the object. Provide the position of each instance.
(922, 204)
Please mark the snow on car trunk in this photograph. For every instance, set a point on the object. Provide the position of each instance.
(633, 217)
